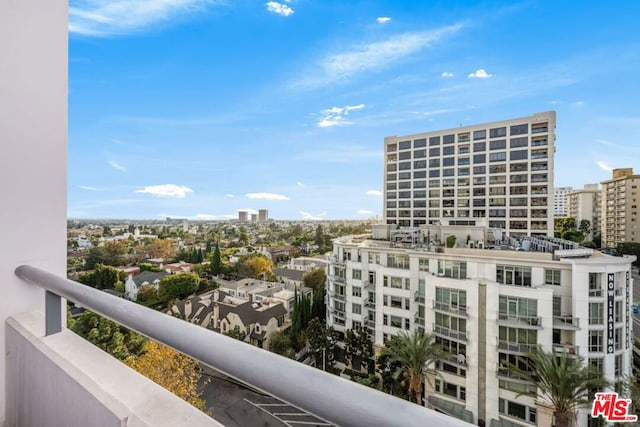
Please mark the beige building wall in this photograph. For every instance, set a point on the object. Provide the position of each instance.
(585, 205)
(500, 171)
(619, 220)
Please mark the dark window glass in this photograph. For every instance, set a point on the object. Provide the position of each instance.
(419, 143)
(519, 154)
(448, 161)
(479, 134)
(391, 167)
(420, 184)
(404, 175)
(404, 166)
(420, 174)
(419, 194)
(404, 204)
(463, 161)
(434, 173)
(404, 195)
(497, 132)
(447, 151)
(434, 163)
(391, 185)
(419, 154)
(404, 185)
(434, 152)
(479, 169)
(498, 157)
(405, 155)
(391, 204)
(519, 142)
(434, 140)
(448, 172)
(419, 203)
(391, 177)
(500, 144)
(519, 129)
(479, 158)
(419, 164)
(404, 145)
(448, 139)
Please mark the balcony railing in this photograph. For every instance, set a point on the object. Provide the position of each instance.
(450, 308)
(565, 322)
(515, 347)
(533, 321)
(451, 333)
(568, 348)
(313, 390)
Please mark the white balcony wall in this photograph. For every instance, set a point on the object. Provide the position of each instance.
(33, 143)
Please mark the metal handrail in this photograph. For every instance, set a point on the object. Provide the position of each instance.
(334, 399)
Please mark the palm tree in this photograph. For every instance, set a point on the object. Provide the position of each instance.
(416, 353)
(562, 379)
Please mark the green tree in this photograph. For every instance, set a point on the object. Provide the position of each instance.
(280, 343)
(585, 227)
(451, 241)
(315, 279)
(236, 333)
(103, 277)
(179, 286)
(107, 335)
(386, 368)
(416, 353)
(147, 293)
(216, 261)
(323, 341)
(564, 380)
(319, 236)
(630, 248)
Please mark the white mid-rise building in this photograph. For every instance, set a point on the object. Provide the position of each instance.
(561, 201)
(500, 171)
(584, 205)
(488, 300)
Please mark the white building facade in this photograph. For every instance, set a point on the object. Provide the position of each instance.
(486, 308)
(561, 201)
(501, 171)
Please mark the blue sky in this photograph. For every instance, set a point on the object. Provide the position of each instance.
(199, 108)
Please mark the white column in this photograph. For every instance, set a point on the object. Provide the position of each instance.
(33, 139)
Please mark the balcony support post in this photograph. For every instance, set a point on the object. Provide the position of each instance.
(53, 313)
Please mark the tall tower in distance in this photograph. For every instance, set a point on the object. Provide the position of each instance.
(263, 215)
(243, 216)
(499, 172)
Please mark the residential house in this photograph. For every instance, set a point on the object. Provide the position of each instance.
(135, 282)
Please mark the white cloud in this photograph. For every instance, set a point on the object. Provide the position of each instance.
(102, 18)
(480, 73)
(447, 74)
(166, 190)
(372, 56)
(117, 166)
(199, 217)
(605, 167)
(578, 104)
(382, 19)
(375, 193)
(364, 212)
(247, 210)
(336, 116)
(300, 184)
(229, 195)
(90, 188)
(279, 8)
(311, 217)
(266, 196)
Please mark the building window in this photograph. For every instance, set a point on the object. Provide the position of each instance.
(552, 277)
(519, 308)
(395, 321)
(356, 291)
(356, 308)
(619, 311)
(423, 264)
(392, 282)
(374, 258)
(595, 289)
(516, 410)
(596, 341)
(513, 275)
(398, 261)
(452, 269)
(596, 310)
(356, 274)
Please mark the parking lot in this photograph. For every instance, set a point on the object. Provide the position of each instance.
(236, 406)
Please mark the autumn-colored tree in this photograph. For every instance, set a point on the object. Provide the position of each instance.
(172, 370)
(147, 293)
(255, 266)
(107, 335)
(161, 248)
(179, 285)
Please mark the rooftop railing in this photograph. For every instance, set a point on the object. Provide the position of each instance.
(334, 399)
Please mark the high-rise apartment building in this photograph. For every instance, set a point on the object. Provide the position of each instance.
(500, 171)
(584, 205)
(619, 199)
(487, 308)
(243, 216)
(561, 201)
(263, 215)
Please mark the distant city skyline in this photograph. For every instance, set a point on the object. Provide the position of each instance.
(198, 109)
